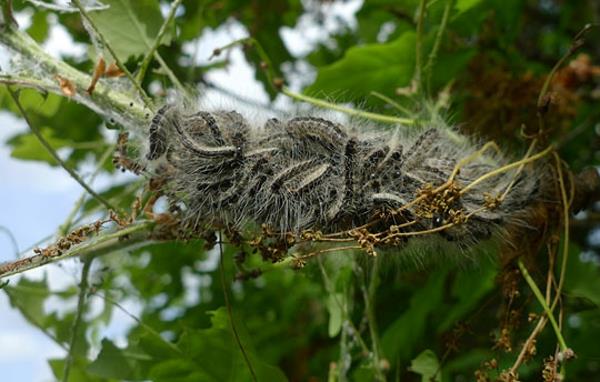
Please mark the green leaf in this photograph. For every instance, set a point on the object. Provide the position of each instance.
(427, 366)
(367, 68)
(221, 356)
(335, 302)
(39, 26)
(400, 338)
(77, 372)
(28, 147)
(449, 66)
(178, 370)
(129, 26)
(29, 296)
(364, 373)
(465, 360)
(121, 195)
(112, 363)
(32, 101)
(464, 5)
(582, 278)
(467, 290)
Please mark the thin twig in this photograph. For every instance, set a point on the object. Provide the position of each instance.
(438, 40)
(12, 239)
(170, 73)
(565, 205)
(147, 101)
(419, 46)
(538, 295)
(152, 49)
(66, 226)
(34, 320)
(83, 287)
(145, 326)
(54, 155)
(240, 98)
(347, 110)
(304, 98)
(519, 170)
(575, 45)
(328, 250)
(26, 83)
(230, 313)
(506, 168)
(369, 295)
(391, 102)
(528, 343)
(542, 321)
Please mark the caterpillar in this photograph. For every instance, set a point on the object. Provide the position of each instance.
(310, 173)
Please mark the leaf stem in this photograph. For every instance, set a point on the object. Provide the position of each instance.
(147, 101)
(419, 47)
(304, 98)
(81, 299)
(566, 207)
(369, 295)
(66, 226)
(542, 301)
(575, 45)
(438, 40)
(170, 73)
(230, 312)
(391, 102)
(506, 168)
(144, 326)
(12, 239)
(347, 110)
(161, 32)
(54, 155)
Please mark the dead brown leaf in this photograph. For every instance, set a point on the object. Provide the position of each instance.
(66, 86)
(99, 71)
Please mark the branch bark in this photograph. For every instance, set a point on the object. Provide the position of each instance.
(104, 243)
(123, 107)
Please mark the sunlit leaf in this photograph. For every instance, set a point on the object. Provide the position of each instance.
(427, 366)
(130, 26)
(28, 146)
(335, 303)
(464, 5)
(112, 363)
(29, 296)
(367, 68)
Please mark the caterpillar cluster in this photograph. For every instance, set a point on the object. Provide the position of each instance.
(309, 173)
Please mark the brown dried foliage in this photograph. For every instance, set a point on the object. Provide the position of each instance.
(499, 102)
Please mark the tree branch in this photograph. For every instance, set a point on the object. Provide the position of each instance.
(103, 244)
(107, 100)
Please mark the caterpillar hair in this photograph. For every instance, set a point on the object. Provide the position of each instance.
(309, 173)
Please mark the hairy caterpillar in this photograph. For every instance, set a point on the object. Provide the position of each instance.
(309, 173)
